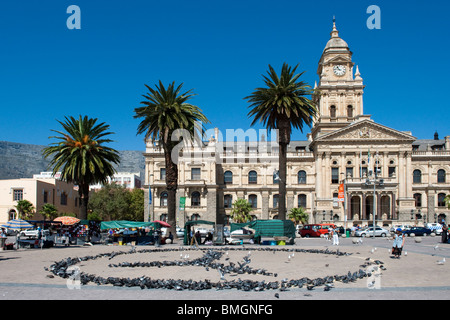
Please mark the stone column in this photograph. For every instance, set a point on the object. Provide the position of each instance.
(265, 205)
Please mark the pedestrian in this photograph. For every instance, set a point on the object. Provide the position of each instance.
(334, 236)
(399, 242)
(444, 234)
(158, 234)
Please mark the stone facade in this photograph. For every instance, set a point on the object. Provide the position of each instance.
(385, 172)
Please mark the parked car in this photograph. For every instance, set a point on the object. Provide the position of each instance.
(401, 226)
(33, 233)
(368, 232)
(435, 227)
(418, 231)
(315, 230)
(180, 232)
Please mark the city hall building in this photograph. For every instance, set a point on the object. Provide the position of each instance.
(386, 172)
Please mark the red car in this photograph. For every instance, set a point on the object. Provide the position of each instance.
(315, 230)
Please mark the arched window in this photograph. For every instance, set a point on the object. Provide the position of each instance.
(350, 111)
(333, 111)
(302, 200)
(418, 199)
(441, 200)
(441, 176)
(252, 199)
(163, 198)
(417, 176)
(276, 198)
(252, 177)
(228, 177)
(227, 201)
(302, 177)
(195, 199)
(195, 217)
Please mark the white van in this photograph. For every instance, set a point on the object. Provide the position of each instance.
(435, 227)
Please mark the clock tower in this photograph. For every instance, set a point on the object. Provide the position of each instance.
(339, 94)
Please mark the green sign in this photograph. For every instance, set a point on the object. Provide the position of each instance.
(182, 203)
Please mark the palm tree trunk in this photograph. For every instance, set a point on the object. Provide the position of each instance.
(172, 185)
(83, 192)
(284, 132)
(282, 182)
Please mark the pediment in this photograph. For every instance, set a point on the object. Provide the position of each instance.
(339, 59)
(366, 130)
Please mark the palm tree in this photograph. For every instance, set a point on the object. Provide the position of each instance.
(25, 208)
(240, 212)
(49, 211)
(282, 105)
(81, 155)
(299, 215)
(163, 112)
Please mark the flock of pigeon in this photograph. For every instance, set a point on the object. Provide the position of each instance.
(209, 261)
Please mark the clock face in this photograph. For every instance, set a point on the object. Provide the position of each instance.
(339, 70)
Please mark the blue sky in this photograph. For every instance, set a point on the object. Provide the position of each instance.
(218, 48)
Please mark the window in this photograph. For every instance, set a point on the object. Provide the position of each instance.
(276, 177)
(418, 199)
(162, 174)
(349, 172)
(252, 177)
(441, 200)
(334, 175)
(18, 194)
(64, 199)
(417, 176)
(276, 198)
(195, 199)
(302, 200)
(441, 176)
(252, 199)
(363, 172)
(228, 177)
(302, 177)
(333, 111)
(46, 197)
(350, 111)
(163, 197)
(195, 174)
(391, 172)
(227, 201)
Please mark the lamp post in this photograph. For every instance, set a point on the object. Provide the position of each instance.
(345, 202)
(380, 182)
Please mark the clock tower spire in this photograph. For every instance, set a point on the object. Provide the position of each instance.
(339, 94)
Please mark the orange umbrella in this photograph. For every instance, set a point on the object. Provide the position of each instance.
(66, 220)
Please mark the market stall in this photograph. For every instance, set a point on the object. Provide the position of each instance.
(123, 231)
(188, 226)
(269, 228)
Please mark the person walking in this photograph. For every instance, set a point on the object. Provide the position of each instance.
(444, 233)
(334, 236)
(399, 242)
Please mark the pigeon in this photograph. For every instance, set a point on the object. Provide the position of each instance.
(221, 274)
(277, 296)
(436, 247)
(441, 262)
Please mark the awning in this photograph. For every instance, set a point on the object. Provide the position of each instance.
(190, 223)
(120, 224)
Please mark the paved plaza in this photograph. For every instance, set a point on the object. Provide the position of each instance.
(417, 275)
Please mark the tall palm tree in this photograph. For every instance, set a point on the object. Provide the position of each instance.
(283, 104)
(81, 155)
(163, 112)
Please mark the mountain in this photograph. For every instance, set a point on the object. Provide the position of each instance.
(19, 160)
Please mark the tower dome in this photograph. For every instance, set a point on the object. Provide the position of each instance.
(335, 41)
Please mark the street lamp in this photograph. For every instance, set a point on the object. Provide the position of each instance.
(380, 182)
(345, 201)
